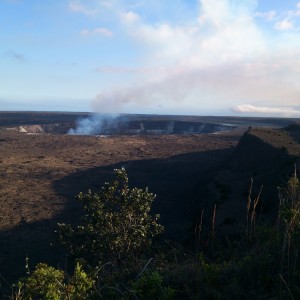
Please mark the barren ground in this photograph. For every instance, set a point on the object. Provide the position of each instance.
(40, 175)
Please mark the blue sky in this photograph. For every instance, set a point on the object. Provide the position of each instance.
(200, 57)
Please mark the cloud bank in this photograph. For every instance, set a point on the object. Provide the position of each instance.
(222, 58)
(282, 111)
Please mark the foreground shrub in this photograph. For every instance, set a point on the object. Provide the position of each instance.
(150, 287)
(117, 224)
(49, 283)
(289, 228)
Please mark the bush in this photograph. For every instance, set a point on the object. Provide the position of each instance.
(150, 287)
(52, 284)
(117, 224)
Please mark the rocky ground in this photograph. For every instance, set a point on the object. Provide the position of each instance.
(41, 173)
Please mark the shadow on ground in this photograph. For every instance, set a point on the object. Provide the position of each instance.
(179, 183)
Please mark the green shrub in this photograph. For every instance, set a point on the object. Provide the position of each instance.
(52, 284)
(117, 224)
(150, 287)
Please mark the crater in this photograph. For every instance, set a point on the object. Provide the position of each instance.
(125, 127)
(148, 127)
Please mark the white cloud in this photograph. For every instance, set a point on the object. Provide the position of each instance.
(289, 19)
(128, 70)
(283, 111)
(97, 31)
(207, 87)
(223, 33)
(76, 6)
(129, 17)
(295, 12)
(268, 16)
(92, 7)
(284, 25)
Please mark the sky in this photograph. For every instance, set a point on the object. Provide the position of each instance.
(192, 57)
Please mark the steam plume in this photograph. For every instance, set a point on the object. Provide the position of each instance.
(93, 125)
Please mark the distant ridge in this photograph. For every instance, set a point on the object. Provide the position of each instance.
(293, 127)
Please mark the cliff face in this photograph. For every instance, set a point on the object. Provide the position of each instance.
(255, 154)
(55, 128)
(127, 128)
(294, 131)
(268, 156)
